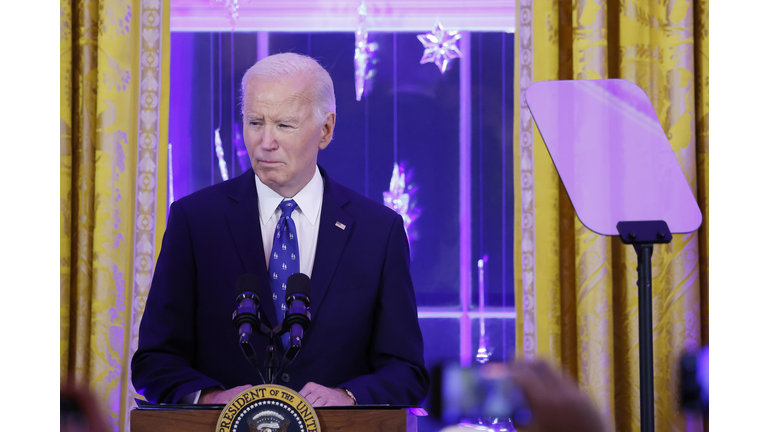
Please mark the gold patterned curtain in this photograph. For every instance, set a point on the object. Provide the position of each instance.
(114, 57)
(576, 291)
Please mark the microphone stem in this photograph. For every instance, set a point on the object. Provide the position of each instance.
(271, 366)
(250, 354)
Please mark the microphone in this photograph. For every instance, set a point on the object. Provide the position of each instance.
(297, 317)
(245, 316)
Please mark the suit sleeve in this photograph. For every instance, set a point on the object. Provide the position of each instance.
(396, 355)
(162, 367)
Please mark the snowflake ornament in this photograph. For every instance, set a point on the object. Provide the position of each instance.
(440, 46)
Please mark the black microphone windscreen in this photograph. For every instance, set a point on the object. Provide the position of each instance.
(298, 283)
(248, 283)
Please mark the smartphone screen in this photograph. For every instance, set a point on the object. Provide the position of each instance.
(480, 394)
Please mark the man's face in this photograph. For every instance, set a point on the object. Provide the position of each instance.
(281, 133)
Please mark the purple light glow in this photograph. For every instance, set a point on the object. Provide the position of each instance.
(339, 15)
(170, 174)
(180, 114)
(465, 201)
(503, 197)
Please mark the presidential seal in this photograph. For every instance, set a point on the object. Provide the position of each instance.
(268, 408)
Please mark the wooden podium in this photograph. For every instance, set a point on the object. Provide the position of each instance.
(331, 420)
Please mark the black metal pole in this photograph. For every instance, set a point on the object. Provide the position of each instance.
(642, 235)
(645, 312)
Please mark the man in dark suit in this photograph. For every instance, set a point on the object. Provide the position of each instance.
(364, 344)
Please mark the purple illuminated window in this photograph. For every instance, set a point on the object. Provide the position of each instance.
(453, 131)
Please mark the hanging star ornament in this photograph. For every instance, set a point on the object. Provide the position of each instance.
(363, 53)
(440, 46)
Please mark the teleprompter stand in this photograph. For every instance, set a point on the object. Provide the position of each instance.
(622, 177)
(642, 235)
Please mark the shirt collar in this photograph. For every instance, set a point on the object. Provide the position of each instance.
(308, 199)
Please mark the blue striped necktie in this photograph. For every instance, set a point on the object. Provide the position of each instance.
(284, 260)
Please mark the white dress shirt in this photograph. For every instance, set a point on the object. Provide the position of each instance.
(306, 217)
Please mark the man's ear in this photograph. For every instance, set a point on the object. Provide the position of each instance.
(326, 132)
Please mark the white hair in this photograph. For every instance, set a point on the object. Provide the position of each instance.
(281, 66)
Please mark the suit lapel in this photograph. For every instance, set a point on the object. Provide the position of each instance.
(243, 221)
(335, 227)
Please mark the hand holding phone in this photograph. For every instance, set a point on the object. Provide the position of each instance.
(482, 394)
(555, 401)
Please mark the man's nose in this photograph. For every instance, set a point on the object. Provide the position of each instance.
(269, 139)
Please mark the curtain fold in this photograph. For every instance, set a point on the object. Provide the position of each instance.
(113, 117)
(576, 291)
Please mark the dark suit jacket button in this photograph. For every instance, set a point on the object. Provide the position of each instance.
(285, 377)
